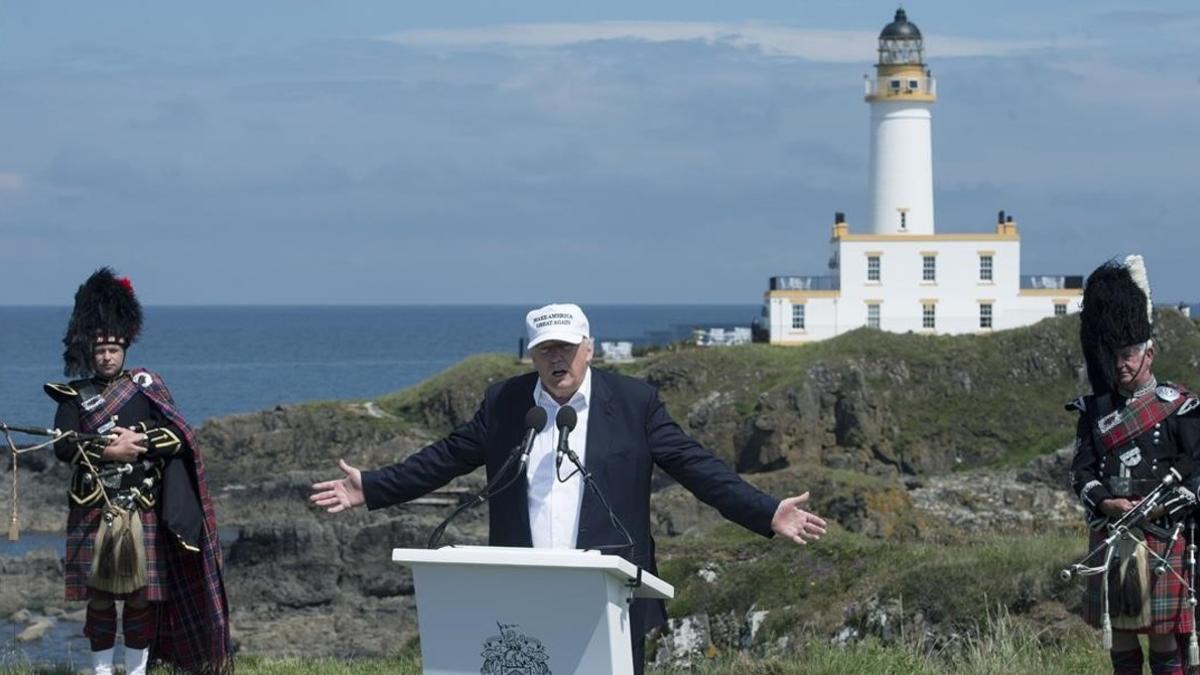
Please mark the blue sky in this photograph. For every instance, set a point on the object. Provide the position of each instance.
(515, 152)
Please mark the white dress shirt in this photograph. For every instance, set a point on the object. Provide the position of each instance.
(554, 505)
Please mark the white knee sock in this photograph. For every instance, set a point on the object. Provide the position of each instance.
(135, 661)
(102, 662)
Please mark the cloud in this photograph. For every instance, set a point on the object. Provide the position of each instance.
(12, 182)
(838, 46)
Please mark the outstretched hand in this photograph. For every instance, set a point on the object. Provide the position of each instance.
(793, 522)
(342, 494)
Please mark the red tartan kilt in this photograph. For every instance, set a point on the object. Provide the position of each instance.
(1169, 608)
(82, 525)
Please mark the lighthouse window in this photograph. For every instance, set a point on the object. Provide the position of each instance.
(929, 268)
(904, 220)
(1060, 309)
(873, 315)
(797, 317)
(929, 316)
(912, 85)
(895, 85)
(985, 268)
(872, 268)
(985, 315)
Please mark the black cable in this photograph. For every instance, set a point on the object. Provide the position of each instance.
(483, 495)
(535, 419)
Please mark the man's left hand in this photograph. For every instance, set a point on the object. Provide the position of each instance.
(793, 522)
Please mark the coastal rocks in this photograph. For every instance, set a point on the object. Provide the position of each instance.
(255, 447)
(289, 565)
(41, 491)
(36, 629)
(688, 641)
(683, 642)
(32, 580)
(880, 618)
(988, 501)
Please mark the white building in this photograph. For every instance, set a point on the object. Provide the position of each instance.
(900, 275)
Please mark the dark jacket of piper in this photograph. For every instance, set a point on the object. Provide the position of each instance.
(1134, 469)
(137, 484)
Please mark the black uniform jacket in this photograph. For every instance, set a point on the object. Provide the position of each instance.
(163, 439)
(629, 432)
(1173, 444)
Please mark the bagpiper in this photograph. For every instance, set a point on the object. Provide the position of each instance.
(1137, 446)
(140, 528)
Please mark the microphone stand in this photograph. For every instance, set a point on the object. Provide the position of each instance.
(487, 492)
(586, 476)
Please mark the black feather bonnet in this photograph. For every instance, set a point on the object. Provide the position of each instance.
(106, 312)
(1117, 313)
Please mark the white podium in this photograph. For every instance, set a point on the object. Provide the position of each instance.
(499, 610)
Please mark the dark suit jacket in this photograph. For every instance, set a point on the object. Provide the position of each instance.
(629, 431)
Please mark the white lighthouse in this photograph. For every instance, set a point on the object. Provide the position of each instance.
(895, 273)
(901, 96)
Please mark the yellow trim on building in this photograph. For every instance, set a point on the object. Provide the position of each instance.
(928, 301)
(987, 253)
(1050, 292)
(877, 254)
(985, 302)
(929, 254)
(873, 302)
(922, 97)
(902, 69)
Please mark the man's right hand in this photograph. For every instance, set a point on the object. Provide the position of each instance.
(339, 495)
(1115, 508)
(127, 446)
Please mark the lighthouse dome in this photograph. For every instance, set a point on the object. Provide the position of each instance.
(900, 28)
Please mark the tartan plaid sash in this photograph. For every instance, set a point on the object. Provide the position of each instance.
(116, 395)
(1136, 418)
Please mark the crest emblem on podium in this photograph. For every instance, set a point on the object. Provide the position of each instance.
(511, 653)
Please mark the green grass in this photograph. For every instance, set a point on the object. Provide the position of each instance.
(999, 644)
(447, 399)
(952, 581)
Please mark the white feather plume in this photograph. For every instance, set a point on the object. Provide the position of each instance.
(1137, 270)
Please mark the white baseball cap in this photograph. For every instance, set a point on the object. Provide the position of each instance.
(561, 322)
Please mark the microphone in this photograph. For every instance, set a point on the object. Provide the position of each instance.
(565, 420)
(535, 419)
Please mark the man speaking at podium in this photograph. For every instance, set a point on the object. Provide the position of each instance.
(621, 432)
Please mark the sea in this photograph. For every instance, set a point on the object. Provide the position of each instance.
(224, 360)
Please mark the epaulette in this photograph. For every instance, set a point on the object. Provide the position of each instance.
(60, 392)
(75, 390)
(1078, 405)
(1190, 403)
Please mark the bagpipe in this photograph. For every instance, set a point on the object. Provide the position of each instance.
(1168, 502)
(55, 436)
